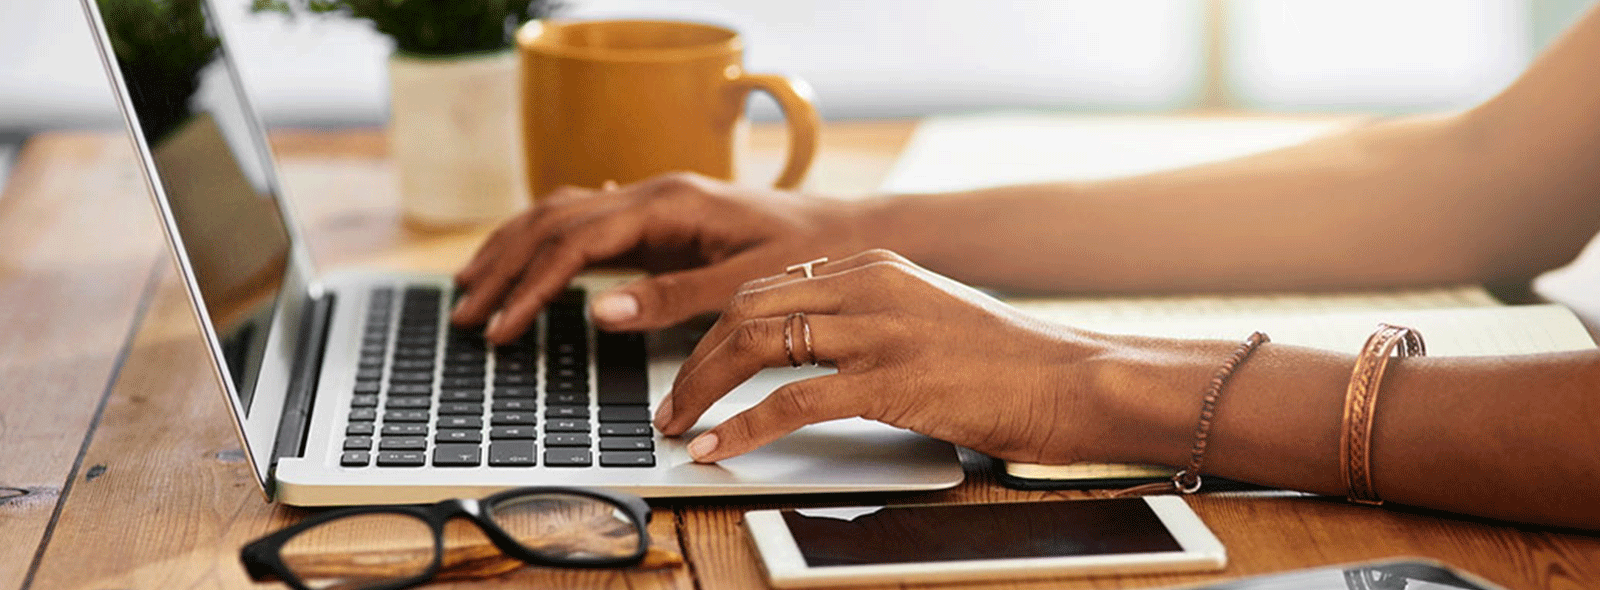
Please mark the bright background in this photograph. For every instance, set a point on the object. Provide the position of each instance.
(897, 58)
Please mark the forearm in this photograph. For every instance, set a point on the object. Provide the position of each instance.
(1421, 201)
(1504, 437)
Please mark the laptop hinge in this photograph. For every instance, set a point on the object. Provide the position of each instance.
(313, 339)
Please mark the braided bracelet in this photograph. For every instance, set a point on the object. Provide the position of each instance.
(1360, 403)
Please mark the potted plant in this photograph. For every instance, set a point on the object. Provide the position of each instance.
(452, 91)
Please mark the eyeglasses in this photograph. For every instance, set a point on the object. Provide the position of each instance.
(392, 547)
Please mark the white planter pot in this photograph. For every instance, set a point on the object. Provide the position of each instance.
(453, 137)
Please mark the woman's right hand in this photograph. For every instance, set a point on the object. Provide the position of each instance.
(699, 239)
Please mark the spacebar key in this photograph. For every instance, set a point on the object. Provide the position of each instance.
(622, 369)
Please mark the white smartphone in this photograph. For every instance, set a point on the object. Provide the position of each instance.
(954, 542)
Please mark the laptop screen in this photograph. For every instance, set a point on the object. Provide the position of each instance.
(215, 170)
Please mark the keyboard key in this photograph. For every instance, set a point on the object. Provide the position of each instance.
(514, 366)
(461, 395)
(515, 404)
(411, 377)
(358, 443)
(414, 365)
(410, 402)
(363, 414)
(505, 392)
(624, 429)
(513, 418)
(566, 425)
(567, 399)
(624, 414)
(405, 429)
(402, 443)
(410, 389)
(512, 379)
(414, 352)
(568, 457)
(400, 459)
(511, 453)
(461, 383)
(460, 422)
(359, 429)
(366, 387)
(456, 435)
(457, 455)
(369, 374)
(568, 374)
(364, 400)
(552, 412)
(371, 362)
(461, 408)
(355, 459)
(403, 416)
(628, 459)
(627, 443)
(567, 439)
(511, 432)
(463, 371)
(566, 386)
(621, 369)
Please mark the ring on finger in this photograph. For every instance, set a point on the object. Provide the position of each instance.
(805, 338)
(808, 267)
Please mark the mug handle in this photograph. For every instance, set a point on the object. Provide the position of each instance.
(794, 97)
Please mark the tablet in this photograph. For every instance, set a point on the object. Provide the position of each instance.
(954, 542)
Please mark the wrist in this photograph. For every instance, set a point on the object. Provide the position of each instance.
(1148, 393)
(897, 223)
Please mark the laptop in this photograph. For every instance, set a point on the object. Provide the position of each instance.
(353, 388)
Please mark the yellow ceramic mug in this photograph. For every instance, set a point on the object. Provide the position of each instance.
(625, 100)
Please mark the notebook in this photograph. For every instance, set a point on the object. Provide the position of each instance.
(991, 149)
(353, 388)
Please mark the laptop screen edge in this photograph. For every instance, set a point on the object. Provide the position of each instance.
(257, 426)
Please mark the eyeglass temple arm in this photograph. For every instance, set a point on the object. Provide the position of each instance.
(479, 560)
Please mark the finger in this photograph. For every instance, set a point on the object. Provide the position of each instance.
(849, 291)
(555, 204)
(852, 261)
(599, 238)
(757, 344)
(797, 404)
(488, 293)
(490, 248)
(670, 298)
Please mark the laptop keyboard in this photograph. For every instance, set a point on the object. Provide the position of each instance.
(428, 393)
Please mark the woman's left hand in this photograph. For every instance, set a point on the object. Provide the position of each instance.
(913, 349)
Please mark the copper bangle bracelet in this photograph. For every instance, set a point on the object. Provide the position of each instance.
(1360, 403)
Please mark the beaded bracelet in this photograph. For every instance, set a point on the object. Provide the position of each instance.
(1187, 480)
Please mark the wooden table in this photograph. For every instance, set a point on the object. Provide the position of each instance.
(120, 468)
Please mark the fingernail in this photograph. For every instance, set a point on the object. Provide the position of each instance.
(700, 447)
(616, 307)
(494, 322)
(664, 413)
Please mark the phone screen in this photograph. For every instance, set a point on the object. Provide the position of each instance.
(914, 534)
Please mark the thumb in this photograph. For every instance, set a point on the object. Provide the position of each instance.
(670, 298)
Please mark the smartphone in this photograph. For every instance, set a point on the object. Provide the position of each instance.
(954, 542)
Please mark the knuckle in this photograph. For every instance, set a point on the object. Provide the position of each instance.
(748, 337)
(744, 303)
(676, 182)
(797, 400)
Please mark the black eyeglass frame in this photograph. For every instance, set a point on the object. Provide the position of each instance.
(263, 561)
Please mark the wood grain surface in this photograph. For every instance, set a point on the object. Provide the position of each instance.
(162, 498)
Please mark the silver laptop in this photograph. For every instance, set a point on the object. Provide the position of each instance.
(353, 387)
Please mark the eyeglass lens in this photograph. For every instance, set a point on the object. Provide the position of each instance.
(360, 551)
(568, 527)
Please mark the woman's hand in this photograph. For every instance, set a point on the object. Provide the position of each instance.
(700, 238)
(913, 349)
